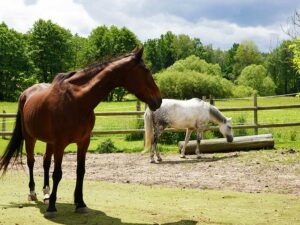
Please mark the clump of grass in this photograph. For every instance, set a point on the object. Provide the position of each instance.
(293, 135)
(241, 119)
(106, 146)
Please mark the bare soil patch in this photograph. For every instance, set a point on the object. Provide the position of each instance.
(239, 171)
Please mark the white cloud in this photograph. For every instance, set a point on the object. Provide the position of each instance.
(17, 14)
(83, 17)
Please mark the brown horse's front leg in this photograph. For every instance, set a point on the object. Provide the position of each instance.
(46, 166)
(56, 176)
(78, 196)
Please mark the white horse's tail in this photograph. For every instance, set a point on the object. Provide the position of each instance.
(148, 123)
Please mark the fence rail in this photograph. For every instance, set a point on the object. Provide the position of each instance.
(255, 108)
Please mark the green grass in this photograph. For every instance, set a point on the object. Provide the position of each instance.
(136, 204)
(287, 137)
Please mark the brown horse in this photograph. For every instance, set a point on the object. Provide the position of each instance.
(63, 112)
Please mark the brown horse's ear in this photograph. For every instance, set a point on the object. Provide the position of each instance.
(139, 54)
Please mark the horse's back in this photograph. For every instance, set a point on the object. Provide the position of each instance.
(184, 113)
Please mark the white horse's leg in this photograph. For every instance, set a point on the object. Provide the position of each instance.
(199, 137)
(46, 192)
(159, 132)
(186, 141)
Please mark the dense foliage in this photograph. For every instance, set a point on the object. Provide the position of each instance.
(185, 67)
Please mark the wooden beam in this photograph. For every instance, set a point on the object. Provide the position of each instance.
(263, 141)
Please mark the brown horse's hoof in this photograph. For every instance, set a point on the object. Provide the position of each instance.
(50, 215)
(32, 197)
(82, 210)
(159, 160)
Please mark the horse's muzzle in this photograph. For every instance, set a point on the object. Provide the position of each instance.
(155, 103)
(229, 138)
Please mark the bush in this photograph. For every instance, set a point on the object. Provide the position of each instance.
(106, 146)
(170, 138)
(256, 77)
(191, 84)
(241, 91)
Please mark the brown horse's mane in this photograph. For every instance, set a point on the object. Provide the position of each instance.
(91, 69)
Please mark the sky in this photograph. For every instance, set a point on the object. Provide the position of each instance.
(217, 22)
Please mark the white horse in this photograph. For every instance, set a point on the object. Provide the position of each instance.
(193, 114)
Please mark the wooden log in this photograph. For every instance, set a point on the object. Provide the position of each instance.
(246, 143)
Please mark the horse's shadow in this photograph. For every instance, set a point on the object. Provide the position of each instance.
(202, 159)
(67, 216)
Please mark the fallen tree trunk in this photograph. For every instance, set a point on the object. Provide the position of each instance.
(245, 143)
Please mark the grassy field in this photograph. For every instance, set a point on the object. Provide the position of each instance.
(288, 137)
(136, 204)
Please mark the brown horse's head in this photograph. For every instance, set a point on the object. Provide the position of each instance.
(139, 81)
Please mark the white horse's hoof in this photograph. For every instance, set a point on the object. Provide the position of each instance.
(159, 159)
(50, 215)
(46, 199)
(182, 156)
(82, 210)
(152, 161)
(32, 197)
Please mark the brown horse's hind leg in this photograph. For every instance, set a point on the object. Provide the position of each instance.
(46, 165)
(78, 196)
(58, 151)
(29, 145)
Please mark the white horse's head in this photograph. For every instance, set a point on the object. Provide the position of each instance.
(226, 130)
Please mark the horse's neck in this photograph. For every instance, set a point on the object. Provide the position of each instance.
(216, 116)
(90, 89)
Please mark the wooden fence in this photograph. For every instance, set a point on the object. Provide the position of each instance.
(255, 108)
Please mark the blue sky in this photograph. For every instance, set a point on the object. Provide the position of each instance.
(216, 22)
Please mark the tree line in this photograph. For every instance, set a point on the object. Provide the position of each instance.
(47, 49)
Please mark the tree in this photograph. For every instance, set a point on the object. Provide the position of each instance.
(229, 61)
(246, 54)
(105, 43)
(79, 49)
(16, 69)
(50, 49)
(280, 65)
(295, 47)
(256, 77)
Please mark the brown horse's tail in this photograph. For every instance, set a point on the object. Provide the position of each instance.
(14, 147)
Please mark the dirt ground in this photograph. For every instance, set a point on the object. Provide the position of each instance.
(238, 171)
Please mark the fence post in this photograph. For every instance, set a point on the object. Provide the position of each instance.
(3, 125)
(255, 113)
(138, 105)
(211, 100)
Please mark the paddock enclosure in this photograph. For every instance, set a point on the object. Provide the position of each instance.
(218, 188)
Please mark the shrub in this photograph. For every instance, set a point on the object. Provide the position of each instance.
(191, 84)
(241, 91)
(256, 77)
(106, 146)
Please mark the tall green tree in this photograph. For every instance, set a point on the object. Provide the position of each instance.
(16, 69)
(246, 54)
(280, 65)
(50, 49)
(229, 61)
(105, 43)
(295, 47)
(79, 49)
